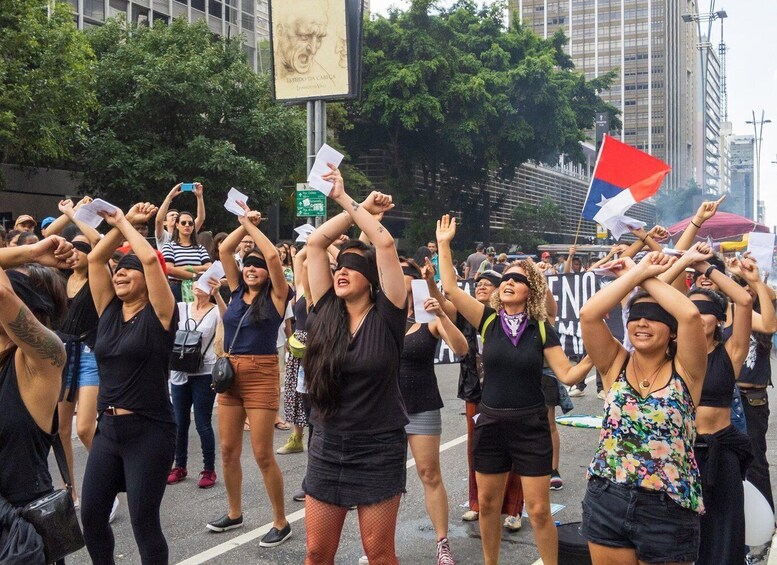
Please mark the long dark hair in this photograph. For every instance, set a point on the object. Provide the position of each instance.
(718, 298)
(328, 340)
(177, 234)
(51, 284)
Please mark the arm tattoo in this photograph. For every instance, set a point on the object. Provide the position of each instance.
(354, 205)
(35, 335)
(381, 229)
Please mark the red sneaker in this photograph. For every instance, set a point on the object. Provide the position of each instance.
(177, 474)
(207, 479)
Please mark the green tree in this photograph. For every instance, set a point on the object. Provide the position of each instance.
(178, 103)
(530, 222)
(45, 82)
(453, 97)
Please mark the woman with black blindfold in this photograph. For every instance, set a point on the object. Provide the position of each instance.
(259, 297)
(134, 445)
(512, 430)
(356, 329)
(644, 493)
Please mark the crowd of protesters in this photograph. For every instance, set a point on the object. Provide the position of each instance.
(88, 322)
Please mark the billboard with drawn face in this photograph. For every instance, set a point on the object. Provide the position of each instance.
(316, 49)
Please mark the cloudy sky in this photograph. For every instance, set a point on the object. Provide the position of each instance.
(750, 32)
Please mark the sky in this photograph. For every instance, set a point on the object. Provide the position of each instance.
(750, 33)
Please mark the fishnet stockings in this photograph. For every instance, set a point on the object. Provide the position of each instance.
(377, 523)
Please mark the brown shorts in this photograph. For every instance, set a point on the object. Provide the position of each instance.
(256, 383)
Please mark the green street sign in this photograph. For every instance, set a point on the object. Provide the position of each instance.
(310, 202)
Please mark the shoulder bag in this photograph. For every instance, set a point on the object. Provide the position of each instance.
(188, 352)
(54, 516)
(223, 375)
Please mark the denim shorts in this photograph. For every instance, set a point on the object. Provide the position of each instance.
(87, 369)
(659, 529)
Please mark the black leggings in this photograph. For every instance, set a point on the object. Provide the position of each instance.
(132, 454)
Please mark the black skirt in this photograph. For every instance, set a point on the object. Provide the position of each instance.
(356, 468)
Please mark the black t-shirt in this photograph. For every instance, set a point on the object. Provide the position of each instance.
(133, 360)
(81, 318)
(370, 400)
(513, 374)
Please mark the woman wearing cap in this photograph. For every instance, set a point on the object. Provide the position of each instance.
(512, 430)
(259, 297)
(133, 448)
(418, 384)
(644, 494)
(31, 361)
(356, 329)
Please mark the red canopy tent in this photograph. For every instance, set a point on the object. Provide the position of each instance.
(721, 226)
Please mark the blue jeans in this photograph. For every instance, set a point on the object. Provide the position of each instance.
(197, 393)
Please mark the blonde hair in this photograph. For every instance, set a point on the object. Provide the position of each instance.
(535, 303)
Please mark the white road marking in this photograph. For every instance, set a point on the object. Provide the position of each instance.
(243, 539)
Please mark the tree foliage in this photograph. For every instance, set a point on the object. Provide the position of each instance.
(45, 82)
(454, 96)
(178, 103)
(529, 223)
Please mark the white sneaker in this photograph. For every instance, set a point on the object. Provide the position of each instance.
(575, 392)
(114, 508)
(513, 523)
(601, 395)
(363, 560)
(470, 516)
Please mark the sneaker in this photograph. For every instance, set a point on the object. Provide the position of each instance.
(177, 474)
(513, 523)
(293, 445)
(555, 481)
(114, 508)
(601, 395)
(444, 556)
(470, 516)
(275, 536)
(225, 523)
(575, 392)
(363, 560)
(207, 479)
(299, 496)
(77, 503)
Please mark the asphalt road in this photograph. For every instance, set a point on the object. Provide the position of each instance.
(186, 509)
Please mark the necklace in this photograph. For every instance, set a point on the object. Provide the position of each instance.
(359, 325)
(645, 383)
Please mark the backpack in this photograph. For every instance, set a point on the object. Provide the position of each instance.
(187, 352)
(492, 317)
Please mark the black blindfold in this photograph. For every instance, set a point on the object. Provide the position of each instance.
(710, 307)
(517, 277)
(409, 271)
(358, 263)
(652, 311)
(254, 261)
(130, 261)
(82, 246)
(32, 298)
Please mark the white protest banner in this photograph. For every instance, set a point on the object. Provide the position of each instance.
(761, 248)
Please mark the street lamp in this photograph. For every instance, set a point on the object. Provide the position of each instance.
(758, 129)
(704, 44)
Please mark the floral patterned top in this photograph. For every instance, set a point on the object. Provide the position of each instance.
(648, 442)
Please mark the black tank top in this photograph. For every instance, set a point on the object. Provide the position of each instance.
(24, 447)
(417, 380)
(718, 388)
(81, 318)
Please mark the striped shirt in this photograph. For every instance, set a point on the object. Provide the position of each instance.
(185, 255)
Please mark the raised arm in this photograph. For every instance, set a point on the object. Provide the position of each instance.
(444, 327)
(319, 273)
(161, 214)
(470, 308)
(706, 210)
(647, 238)
(56, 227)
(100, 276)
(280, 288)
(427, 273)
(53, 251)
(199, 221)
(227, 252)
(568, 261)
(765, 321)
(69, 212)
(392, 281)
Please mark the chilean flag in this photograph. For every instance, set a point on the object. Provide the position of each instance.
(622, 177)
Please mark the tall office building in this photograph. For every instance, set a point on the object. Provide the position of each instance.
(656, 89)
(741, 150)
(224, 17)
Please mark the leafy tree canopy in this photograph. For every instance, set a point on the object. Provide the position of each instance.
(455, 96)
(45, 82)
(178, 103)
(529, 223)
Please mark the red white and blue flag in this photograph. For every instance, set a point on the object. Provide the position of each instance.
(622, 177)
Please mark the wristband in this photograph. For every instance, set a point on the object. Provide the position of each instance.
(695, 224)
(709, 270)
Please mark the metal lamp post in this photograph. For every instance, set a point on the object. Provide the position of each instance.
(703, 45)
(758, 129)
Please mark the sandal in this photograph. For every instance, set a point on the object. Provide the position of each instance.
(283, 426)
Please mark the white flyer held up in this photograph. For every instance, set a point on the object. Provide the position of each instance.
(231, 205)
(325, 155)
(89, 213)
(420, 294)
(215, 271)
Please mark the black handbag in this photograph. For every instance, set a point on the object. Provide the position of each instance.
(187, 352)
(223, 376)
(54, 516)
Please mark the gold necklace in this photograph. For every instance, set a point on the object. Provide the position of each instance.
(646, 384)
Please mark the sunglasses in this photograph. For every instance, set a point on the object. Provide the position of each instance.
(186, 223)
